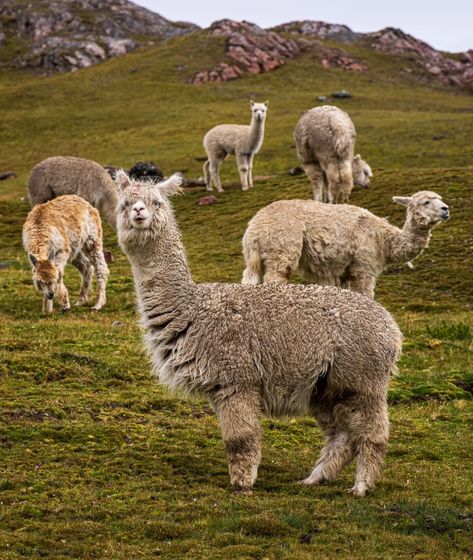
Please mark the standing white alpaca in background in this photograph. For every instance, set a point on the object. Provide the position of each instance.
(340, 245)
(240, 140)
(325, 144)
(278, 350)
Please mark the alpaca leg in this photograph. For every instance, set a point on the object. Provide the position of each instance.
(214, 168)
(243, 169)
(86, 270)
(47, 305)
(250, 171)
(63, 296)
(362, 283)
(208, 179)
(316, 178)
(337, 451)
(108, 209)
(339, 182)
(101, 272)
(370, 432)
(335, 454)
(238, 415)
(278, 270)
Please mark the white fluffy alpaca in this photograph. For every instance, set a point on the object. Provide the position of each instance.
(240, 140)
(325, 143)
(340, 245)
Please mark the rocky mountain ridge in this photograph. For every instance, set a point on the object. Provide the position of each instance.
(66, 35)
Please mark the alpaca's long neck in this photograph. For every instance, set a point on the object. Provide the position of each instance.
(256, 135)
(162, 276)
(407, 243)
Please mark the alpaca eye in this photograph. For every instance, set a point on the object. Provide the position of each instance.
(156, 203)
(426, 203)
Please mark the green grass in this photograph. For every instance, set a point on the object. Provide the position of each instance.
(97, 460)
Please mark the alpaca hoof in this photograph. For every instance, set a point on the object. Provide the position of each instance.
(309, 481)
(80, 302)
(96, 307)
(359, 490)
(65, 309)
(243, 491)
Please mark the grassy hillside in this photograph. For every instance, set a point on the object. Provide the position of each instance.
(98, 461)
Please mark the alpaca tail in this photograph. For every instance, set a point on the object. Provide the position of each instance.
(253, 273)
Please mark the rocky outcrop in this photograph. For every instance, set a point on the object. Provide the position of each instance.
(319, 30)
(458, 71)
(252, 50)
(65, 35)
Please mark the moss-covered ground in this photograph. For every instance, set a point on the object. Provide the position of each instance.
(97, 460)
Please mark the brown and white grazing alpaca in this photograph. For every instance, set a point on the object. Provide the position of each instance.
(278, 350)
(240, 140)
(60, 175)
(65, 229)
(325, 143)
(340, 245)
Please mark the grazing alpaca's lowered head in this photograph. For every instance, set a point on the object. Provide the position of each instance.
(277, 350)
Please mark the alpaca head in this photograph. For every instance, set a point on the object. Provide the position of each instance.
(258, 110)
(46, 276)
(361, 172)
(143, 209)
(425, 208)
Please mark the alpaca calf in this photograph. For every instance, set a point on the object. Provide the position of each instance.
(340, 245)
(56, 176)
(240, 140)
(65, 229)
(325, 142)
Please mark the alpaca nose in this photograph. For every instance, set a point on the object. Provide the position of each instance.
(50, 295)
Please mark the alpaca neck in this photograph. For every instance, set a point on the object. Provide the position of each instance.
(409, 242)
(162, 275)
(256, 135)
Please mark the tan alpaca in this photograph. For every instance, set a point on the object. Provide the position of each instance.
(339, 245)
(60, 175)
(65, 229)
(236, 139)
(325, 143)
(277, 350)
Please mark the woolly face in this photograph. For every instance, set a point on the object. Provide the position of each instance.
(258, 110)
(361, 172)
(46, 277)
(426, 207)
(142, 205)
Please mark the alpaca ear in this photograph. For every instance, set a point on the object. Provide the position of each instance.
(403, 200)
(170, 186)
(266, 103)
(357, 158)
(33, 259)
(122, 181)
(252, 102)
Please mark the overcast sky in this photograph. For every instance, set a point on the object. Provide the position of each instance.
(444, 24)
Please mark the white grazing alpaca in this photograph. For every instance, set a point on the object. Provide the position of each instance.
(65, 229)
(338, 245)
(325, 143)
(240, 140)
(277, 350)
